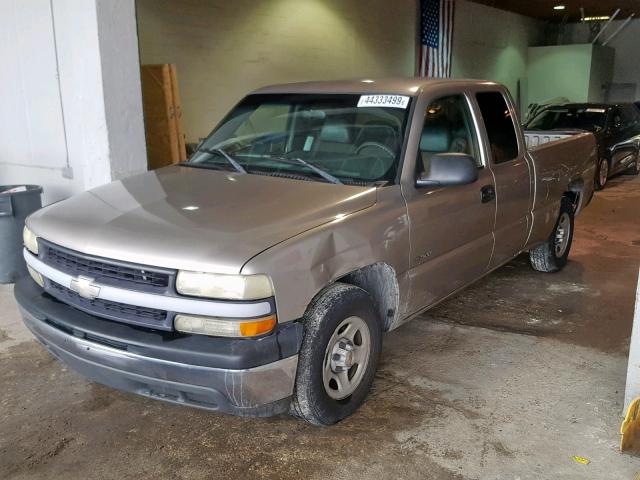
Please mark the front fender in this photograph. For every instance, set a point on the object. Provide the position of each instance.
(303, 265)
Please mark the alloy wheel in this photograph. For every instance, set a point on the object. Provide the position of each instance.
(563, 231)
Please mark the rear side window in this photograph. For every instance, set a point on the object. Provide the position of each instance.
(499, 125)
(629, 117)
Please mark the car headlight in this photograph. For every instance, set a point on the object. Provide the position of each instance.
(228, 287)
(30, 240)
(222, 327)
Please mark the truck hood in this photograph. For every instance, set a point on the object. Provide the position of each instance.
(192, 218)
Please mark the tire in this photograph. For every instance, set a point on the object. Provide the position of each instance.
(602, 173)
(635, 168)
(552, 255)
(324, 356)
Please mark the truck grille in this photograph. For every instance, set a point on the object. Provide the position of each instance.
(113, 310)
(104, 271)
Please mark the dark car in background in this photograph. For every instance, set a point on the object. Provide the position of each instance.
(616, 128)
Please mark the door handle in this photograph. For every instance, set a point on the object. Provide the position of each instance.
(487, 193)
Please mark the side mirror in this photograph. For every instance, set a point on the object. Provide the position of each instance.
(446, 169)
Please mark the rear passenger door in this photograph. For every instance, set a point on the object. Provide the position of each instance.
(512, 175)
(451, 226)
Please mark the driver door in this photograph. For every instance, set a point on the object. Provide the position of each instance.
(451, 227)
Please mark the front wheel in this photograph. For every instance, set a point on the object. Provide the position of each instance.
(602, 174)
(552, 255)
(339, 355)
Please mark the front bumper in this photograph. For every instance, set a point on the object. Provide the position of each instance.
(188, 370)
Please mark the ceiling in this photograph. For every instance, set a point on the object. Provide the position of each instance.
(543, 9)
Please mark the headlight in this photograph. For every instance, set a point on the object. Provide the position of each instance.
(30, 240)
(229, 287)
(221, 327)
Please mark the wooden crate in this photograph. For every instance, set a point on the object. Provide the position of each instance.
(162, 115)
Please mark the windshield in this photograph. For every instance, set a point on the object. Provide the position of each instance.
(558, 118)
(351, 139)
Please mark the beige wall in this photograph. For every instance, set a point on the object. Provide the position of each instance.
(559, 71)
(626, 67)
(223, 49)
(492, 44)
(576, 72)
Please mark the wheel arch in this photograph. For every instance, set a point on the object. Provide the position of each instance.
(381, 282)
(575, 192)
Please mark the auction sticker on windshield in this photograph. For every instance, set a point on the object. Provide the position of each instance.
(395, 101)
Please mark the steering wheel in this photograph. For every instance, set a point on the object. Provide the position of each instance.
(379, 165)
(377, 145)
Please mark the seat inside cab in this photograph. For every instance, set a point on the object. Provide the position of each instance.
(447, 129)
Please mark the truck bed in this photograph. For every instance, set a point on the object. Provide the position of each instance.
(535, 138)
(562, 165)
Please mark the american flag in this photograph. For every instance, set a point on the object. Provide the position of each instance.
(436, 37)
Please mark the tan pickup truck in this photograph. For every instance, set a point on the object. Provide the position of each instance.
(259, 276)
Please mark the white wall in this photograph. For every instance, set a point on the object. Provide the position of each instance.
(60, 66)
(224, 49)
(626, 67)
(492, 44)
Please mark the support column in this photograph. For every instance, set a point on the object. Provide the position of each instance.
(99, 70)
(73, 118)
(118, 36)
(632, 389)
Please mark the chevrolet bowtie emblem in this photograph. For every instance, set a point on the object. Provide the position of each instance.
(85, 287)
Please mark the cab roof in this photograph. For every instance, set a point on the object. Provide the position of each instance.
(395, 85)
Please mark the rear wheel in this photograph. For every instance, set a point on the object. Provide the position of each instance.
(602, 174)
(552, 255)
(339, 355)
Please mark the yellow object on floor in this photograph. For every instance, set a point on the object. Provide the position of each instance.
(582, 460)
(630, 429)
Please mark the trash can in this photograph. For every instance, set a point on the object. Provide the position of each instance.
(16, 203)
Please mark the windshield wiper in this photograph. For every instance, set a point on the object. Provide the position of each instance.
(226, 156)
(326, 175)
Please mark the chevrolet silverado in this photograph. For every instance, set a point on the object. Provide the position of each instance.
(259, 276)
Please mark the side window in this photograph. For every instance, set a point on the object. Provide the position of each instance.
(448, 128)
(616, 119)
(628, 117)
(636, 118)
(499, 124)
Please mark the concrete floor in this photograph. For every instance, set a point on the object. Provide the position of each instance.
(507, 380)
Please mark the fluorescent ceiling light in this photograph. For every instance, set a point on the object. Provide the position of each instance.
(601, 18)
(559, 7)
